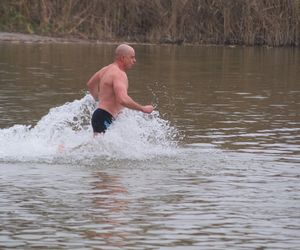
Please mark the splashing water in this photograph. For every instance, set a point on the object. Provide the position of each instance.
(65, 135)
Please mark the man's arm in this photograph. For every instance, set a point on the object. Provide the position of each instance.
(122, 97)
(93, 85)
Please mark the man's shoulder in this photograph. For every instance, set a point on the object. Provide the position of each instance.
(107, 70)
(114, 72)
(117, 72)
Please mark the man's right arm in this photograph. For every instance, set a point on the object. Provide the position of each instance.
(93, 85)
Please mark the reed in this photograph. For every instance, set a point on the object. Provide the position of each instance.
(243, 22)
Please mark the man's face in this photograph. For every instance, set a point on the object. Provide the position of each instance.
(129, 59)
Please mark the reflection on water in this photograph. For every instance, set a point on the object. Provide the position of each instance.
(109, 211)
(231, 182)
(151, 205)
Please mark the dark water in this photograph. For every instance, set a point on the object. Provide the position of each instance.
(217, 167)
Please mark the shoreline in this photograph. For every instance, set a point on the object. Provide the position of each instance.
(16, 37)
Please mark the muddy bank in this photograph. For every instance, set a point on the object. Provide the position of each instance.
(31, 38)
(14, 37)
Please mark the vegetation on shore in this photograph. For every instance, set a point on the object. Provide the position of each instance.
(242, 22)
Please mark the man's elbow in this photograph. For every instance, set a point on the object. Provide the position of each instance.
(122, 100)
(90, 87)
(88, 84)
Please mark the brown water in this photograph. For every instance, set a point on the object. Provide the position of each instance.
(216, 167)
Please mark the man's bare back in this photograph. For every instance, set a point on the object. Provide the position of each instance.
(110, 86)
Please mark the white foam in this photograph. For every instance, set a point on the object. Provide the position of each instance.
(65, 135)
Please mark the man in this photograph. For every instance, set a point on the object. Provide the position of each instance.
(110, 85)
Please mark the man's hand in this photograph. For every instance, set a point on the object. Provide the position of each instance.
(147, 109)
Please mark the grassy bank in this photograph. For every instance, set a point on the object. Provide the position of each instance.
(243, 22)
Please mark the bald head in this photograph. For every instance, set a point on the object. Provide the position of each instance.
(123, 50)
(125, 56)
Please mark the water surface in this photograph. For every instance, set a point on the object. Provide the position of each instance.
(216, 166)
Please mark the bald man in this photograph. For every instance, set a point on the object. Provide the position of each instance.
(110, 85)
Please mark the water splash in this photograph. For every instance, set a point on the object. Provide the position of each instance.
(65, 135)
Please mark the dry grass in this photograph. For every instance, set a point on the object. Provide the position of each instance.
(249, 22)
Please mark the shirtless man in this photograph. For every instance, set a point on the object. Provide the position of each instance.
(110, 86)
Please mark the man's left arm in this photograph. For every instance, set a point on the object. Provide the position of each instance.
(124, 99)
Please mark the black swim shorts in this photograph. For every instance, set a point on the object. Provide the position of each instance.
(101, 120)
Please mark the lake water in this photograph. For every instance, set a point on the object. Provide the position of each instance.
(216, 166)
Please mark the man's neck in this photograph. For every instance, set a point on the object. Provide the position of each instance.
(120, 65)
